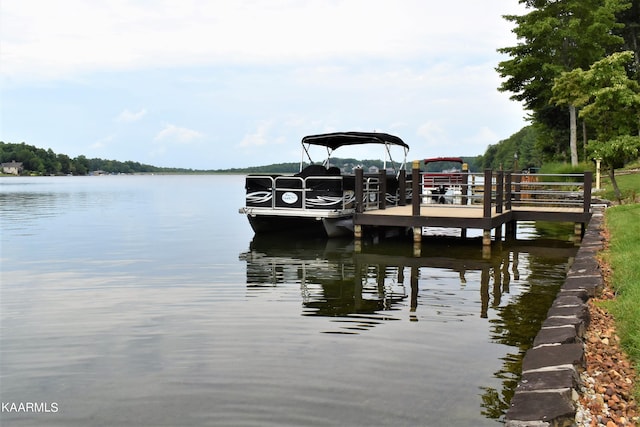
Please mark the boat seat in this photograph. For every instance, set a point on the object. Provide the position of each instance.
(312, 170)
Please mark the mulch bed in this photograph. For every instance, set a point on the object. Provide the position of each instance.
(609, 377)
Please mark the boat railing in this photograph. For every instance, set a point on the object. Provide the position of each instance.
(444, 188)
(379, 190)
(434, 180)
(295, 192)
(371, 192)
(328, 192)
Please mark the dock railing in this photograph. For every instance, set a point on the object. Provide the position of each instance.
(495, 191)
(552, 190)
(500, 191)
(489, 201)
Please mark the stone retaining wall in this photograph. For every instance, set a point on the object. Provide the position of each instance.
(550, 383)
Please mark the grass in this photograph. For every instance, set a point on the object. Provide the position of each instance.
(623, 255)
(628, 182)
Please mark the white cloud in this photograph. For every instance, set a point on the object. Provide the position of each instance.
(257, 74)
(102, 143)
(258, 136)
(483, 137)
(432, 133)
(128, 116)
(172, 133)
(42, 39)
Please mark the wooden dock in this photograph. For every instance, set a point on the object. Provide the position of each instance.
(488, 202)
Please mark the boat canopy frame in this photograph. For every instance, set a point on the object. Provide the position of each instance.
(335, 140)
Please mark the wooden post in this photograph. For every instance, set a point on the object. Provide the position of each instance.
(357, 238)
(488, 174)
(416, 194)
(417, 241)
(417, 234)
(484, 292)
(486, 237)
(507, 193)
(518, 186)
(577, 230)
(382, 189)
(588, 178)
(402, 188)
(511, 229)
(414, 294)
(359, 190)
(465, 184)
(499, 190)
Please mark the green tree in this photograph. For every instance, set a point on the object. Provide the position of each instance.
(610, 102)
(630, 18)
(557, 36)
(65, 163)
(521, 144)
(80, 165)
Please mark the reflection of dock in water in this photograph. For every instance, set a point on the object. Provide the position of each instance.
(365, 288)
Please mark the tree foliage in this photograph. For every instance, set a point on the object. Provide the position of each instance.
(630, 32)
(38, 161)
(519, 148)
(610, 102)
(557, 36)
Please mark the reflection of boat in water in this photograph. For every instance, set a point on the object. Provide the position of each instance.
(320, 198)
(331, 283)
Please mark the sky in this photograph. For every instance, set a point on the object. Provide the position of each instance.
(216, 84)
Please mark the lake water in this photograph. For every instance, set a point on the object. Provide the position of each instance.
(147, 301)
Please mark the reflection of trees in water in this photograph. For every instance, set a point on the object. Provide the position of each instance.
(517, 326)
(362, 289)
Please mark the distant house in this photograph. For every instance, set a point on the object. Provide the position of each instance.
(13, 167)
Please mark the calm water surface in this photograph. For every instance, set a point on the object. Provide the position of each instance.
(147, 301)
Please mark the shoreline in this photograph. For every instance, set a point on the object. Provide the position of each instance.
(576, 374)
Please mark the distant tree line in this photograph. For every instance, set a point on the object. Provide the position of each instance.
(38, 161)
(347, 165)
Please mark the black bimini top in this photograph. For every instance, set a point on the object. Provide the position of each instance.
(339, 139)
